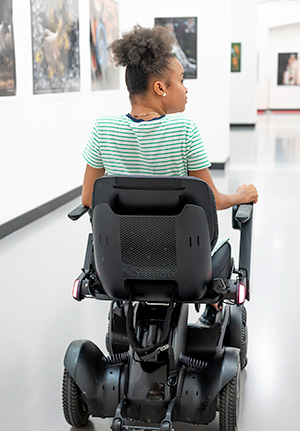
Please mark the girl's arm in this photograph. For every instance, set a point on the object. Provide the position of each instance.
(90, 176)
(244, 194)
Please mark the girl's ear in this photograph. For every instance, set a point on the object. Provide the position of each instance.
(159, 88)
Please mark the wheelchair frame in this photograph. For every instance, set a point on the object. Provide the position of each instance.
(160, 370)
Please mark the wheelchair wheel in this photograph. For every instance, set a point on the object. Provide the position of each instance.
(117, 425)
(75, 409)
(116, 337)
(244, 339)
(229, 400)
(107, 338)
(237, 333)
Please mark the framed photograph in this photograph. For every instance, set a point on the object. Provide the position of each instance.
(7, 50)
(236, 57)
(104, 29)
(288, 72)
(55, 46)
(185, 47)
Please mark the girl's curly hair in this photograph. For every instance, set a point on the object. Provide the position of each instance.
(145, 52)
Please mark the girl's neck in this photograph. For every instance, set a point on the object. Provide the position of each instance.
(146, 111)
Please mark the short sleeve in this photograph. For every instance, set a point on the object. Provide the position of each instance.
(92, 152)
(196, 153)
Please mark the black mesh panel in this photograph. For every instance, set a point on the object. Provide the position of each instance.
(148, 247)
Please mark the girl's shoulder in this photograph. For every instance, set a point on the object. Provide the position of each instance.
(180, 120)
(113, 120)
(111, 117)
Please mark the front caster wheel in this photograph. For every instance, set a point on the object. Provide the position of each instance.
(166, 426)
(75, 409)
(229, 401)
(117, 425)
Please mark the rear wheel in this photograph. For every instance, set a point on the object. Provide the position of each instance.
(237, 333)
(74, 407)
(229, 401)
(244, 339)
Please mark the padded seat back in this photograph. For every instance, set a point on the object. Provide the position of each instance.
(153, 236)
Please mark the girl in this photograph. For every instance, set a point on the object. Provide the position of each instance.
(148, 140)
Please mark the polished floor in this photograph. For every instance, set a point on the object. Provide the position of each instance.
(38, 317)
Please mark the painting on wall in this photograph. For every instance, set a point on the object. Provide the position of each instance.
(288, 69)
(236, 57)
(185, 47)
(7, 50)
(104, 29)
(55, 46)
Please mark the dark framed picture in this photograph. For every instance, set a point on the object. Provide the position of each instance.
(7, 50)
(55, 46)
(104, 29)
(236, 57)
(288, 72)
(185, 47)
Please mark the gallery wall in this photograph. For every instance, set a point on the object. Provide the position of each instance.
(278, 32)
(208, 95)
(42, 135)
(243, 83)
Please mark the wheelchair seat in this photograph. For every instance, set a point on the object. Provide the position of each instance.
(153, 236)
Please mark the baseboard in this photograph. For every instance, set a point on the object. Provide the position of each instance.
(279, 111)
(218, 165)
(242, 125)
(29, 217)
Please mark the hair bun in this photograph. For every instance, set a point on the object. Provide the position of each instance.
(142, 47)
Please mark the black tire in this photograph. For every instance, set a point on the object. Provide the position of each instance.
(237, 332)
(229, 400)
(166, 426)
(75, 409)
(244, 339)
(107, 338)
(117, 425)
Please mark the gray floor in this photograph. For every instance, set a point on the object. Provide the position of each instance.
(38, 317)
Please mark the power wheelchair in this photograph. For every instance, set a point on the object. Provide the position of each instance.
(150, 255)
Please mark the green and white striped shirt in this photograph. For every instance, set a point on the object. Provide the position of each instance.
(169, 145)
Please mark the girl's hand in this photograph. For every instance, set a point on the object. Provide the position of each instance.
(248, 193)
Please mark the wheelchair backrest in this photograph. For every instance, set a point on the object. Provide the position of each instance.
(153, 237)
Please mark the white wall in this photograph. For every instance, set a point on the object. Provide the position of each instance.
(243, 84)
(283, 39)
(42, 136)
(278, 32)
(208, 96)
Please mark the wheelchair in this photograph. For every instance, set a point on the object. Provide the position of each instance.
(149, 254)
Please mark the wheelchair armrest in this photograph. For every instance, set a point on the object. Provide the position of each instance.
(78, 212)
(241, 214)
(244, 213)
(242, 217)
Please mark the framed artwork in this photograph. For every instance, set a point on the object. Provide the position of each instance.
(288, 72)
(7, 50)
(236, 57)
(55, 46)
(104, 29)
(185, 47)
